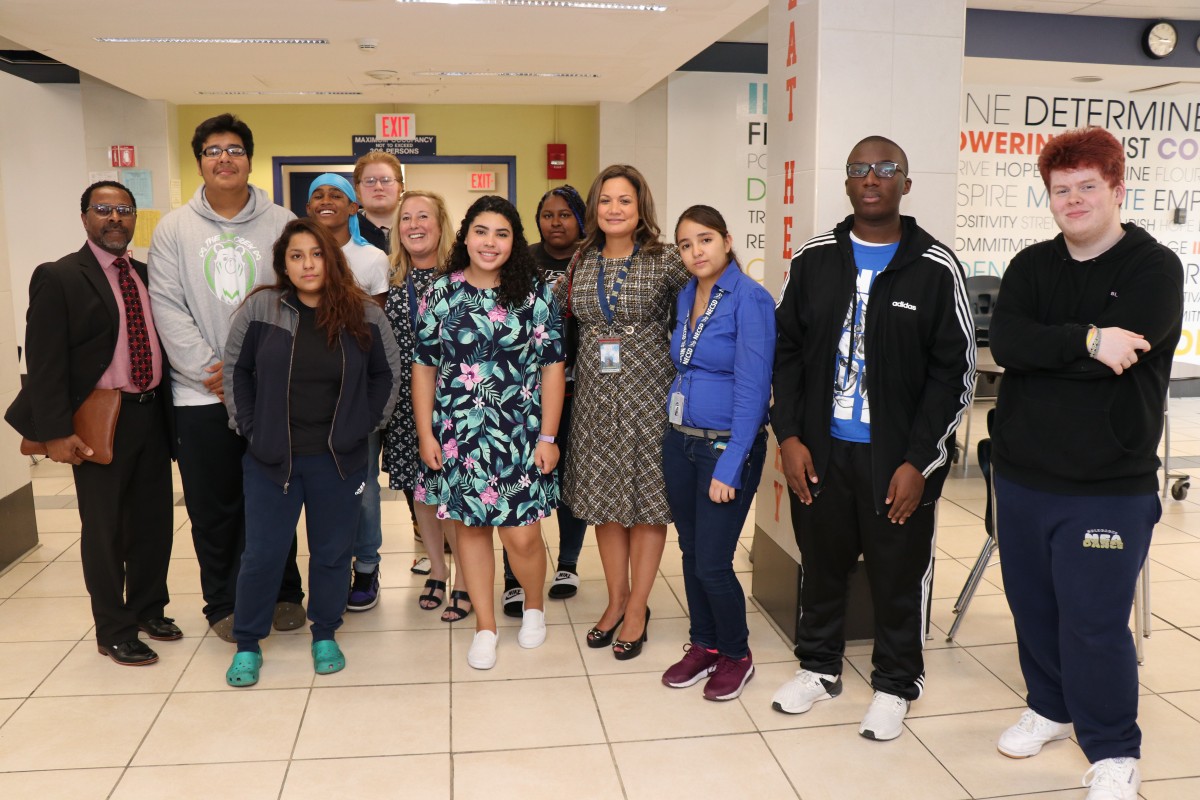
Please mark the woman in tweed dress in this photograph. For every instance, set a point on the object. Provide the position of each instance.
(622, 290)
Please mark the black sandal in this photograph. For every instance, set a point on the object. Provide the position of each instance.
(429, 596)
(455, 612)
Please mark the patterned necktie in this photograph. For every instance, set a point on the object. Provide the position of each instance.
(141, 365)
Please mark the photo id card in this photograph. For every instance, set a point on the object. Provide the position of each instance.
(610, 355)
(675, 409)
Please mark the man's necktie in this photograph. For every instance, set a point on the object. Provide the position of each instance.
(141, 365)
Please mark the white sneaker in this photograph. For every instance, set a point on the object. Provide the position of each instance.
(1026, 738)
(533, 628)
(482, 654)
(885, 717)
(1113, 779)
(805, 688)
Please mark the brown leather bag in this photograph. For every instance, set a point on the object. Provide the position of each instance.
(95, 422)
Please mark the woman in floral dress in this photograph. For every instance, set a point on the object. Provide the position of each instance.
(487, 389)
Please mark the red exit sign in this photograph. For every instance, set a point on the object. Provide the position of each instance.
(483, 181)
(395, 126)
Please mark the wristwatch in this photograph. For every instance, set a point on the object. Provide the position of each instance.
(545, 438)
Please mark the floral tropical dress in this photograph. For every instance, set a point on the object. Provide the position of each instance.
(487, 407)
(401, 456)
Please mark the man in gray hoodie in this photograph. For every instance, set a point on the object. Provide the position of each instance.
(204, 259)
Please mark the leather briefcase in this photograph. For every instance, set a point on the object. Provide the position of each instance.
(95, 422)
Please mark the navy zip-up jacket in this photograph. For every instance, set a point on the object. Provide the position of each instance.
(920, 353)
(257, 379)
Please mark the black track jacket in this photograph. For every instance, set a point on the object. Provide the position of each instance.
(920, 353)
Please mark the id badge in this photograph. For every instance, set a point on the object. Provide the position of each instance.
(610, 355)
(675, 410)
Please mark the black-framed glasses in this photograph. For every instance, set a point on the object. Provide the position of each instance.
(105, 210)
(384, 181)
(883, 169)
(214, 151)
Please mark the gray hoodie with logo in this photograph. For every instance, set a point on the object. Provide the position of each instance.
(202, 266)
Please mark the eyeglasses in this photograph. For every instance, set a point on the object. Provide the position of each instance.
(105, 210)
(883, 169)
(214, 151)
(385, 181)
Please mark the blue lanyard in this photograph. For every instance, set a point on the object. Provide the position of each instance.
(687, 349)
(608, 305)
(412, 300)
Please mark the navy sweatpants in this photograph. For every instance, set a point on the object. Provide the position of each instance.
(1070, 568)
(331, 507)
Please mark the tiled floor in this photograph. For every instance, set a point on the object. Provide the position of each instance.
(408, 718)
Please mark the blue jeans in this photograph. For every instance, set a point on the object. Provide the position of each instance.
(368, 536)
(1070, 566)
(708, 535)
(271, 516)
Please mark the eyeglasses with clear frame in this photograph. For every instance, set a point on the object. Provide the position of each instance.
(215, 150)
(384, 181)
(106, 210)
(882, 169)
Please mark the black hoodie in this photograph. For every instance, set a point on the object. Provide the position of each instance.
(920, 353)
(1066, 423)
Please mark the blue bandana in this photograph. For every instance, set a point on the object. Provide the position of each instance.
(342, 185)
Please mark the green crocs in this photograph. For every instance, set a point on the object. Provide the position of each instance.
(327, 657)
(244, 669)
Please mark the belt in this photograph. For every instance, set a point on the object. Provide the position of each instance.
(139, 398)
(701, 433)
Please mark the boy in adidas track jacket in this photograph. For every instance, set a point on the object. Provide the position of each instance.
(874, 369)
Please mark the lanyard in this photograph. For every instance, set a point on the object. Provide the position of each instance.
(687, 349)
(412, 301)
(608, 305)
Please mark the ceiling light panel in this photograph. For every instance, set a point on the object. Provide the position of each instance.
(588, 4)
(201, 40)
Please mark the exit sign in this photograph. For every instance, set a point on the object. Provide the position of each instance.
(395, 126)
(483, 181)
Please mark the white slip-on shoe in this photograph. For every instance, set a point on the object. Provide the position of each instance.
(533, 628)
(1026, 738)
(482, 654)
(1113, 779)
(884, 720)
(805, 688)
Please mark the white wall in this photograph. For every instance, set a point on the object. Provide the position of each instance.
(636, 133)
(42, 173)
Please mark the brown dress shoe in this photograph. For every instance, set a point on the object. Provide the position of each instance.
(133, 653)
(288, 616)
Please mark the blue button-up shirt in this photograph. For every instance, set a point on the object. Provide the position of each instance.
(727, 385)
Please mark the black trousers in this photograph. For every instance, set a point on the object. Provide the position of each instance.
(210, 465)
(840, 524)
(127, 524)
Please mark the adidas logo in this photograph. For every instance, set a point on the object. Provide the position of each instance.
(1103, 540)
(902, 304)
(361, 488)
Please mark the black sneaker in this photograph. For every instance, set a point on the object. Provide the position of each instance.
(364, 591)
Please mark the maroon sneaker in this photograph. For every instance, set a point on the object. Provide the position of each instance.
(729, 677)
(695, 665)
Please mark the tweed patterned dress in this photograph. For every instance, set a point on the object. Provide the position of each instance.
(614, 465)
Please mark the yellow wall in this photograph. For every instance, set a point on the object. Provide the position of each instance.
(491, 130)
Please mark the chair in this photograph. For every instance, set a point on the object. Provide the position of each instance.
(984, 454)
(982, 291)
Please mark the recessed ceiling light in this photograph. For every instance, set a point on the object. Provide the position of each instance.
(1087, 79)
(201, 40)
(234, 92)
(457, 74)
(590, 4)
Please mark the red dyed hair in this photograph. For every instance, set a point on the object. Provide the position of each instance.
(1082, 148)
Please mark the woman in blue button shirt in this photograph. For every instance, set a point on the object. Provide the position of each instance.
(723, 346)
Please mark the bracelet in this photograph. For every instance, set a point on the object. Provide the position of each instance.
(1093, 345)
(542, 437)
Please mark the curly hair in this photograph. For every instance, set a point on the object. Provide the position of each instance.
(341, 298)
(647, 234)
(1082, 148)
(519, 275)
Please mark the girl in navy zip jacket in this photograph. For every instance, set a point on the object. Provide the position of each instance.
(311, 368)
